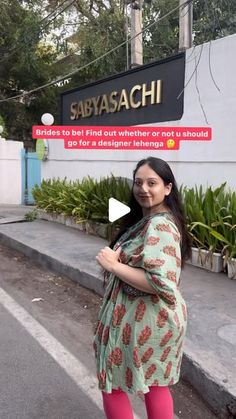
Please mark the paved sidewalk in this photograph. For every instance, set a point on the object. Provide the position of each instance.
(209, 362)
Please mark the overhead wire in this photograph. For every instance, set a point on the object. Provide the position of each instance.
(197, 88)
(68, 75)
(52, 13)
(210, 69)
(66, 7)
(190, 78)
(210, 13)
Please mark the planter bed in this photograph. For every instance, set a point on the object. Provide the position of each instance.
(90, 227)
(105, 231)
(231, 268)
(204, 259)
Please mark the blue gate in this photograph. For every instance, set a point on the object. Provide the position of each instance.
(31, 175)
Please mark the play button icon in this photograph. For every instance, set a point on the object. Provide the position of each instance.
(116, 210)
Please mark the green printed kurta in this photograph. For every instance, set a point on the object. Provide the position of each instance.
(138, 340)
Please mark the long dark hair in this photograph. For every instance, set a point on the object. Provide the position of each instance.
(173, 201)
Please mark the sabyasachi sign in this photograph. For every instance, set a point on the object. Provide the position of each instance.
(150, 93)
(116, 101)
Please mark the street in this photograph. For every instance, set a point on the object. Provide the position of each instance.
(46, 355)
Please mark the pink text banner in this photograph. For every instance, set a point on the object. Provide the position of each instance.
(121, 137)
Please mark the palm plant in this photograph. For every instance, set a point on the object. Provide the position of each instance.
(211, 218)
(108, 187)
(85, 200)
(46, 195)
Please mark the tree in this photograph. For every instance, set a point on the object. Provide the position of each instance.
(26, 62)
(102, 26)
(161, 40)
(213, 19)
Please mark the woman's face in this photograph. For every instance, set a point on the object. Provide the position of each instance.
(149, 190)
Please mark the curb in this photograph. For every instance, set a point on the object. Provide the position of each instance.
(85, 279)
(218, 398)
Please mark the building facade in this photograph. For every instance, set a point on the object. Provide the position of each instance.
(204, 95)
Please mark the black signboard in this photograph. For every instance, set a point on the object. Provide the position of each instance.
(147, 94)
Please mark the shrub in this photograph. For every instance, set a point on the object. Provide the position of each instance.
(211, 217)
(85, 200)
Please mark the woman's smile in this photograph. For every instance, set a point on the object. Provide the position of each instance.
(144, 196)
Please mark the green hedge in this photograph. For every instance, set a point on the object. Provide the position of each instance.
(85, 200)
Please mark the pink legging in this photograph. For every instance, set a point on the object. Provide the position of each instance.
(158, 401)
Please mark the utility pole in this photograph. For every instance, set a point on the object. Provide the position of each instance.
(185, 25)
(136, 28)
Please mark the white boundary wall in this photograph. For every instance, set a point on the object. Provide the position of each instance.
(10, 171)
(209, 100)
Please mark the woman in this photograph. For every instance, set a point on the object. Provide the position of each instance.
(142, 322)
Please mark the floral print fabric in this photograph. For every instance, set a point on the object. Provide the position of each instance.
(139, 340)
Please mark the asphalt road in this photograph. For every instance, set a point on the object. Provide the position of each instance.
(46, 357)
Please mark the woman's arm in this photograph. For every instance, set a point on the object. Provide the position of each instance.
(109, 260)
(132, 276)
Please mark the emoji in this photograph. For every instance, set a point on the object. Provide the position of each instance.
(170, 143)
